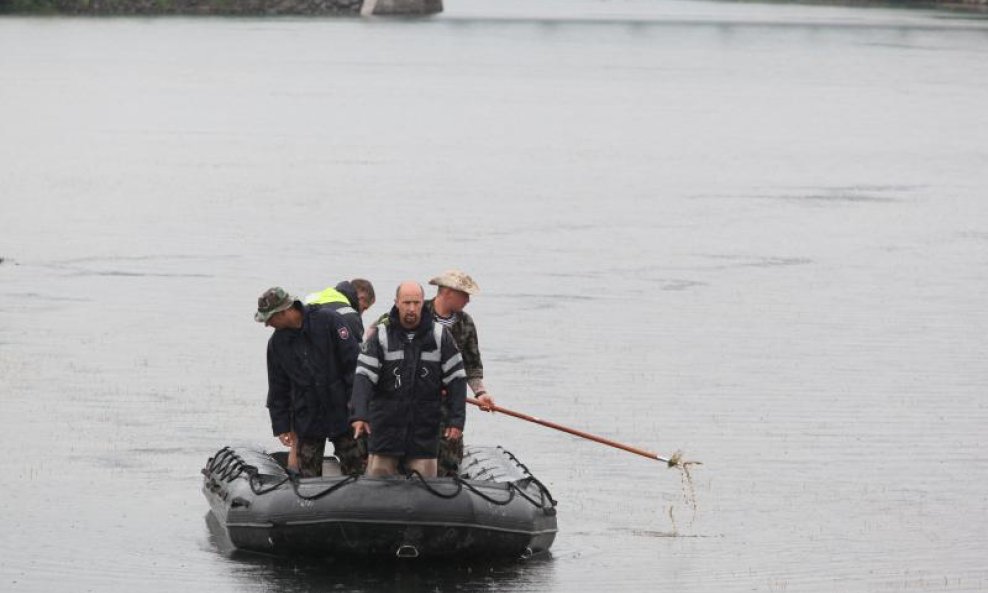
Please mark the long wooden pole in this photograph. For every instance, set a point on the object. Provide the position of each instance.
(673, 461)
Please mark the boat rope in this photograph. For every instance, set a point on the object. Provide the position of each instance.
(472, 488)
(512, 488)
(414, 474)
(543, 491)
(255, 481)
(295, 483)
(460, 484)
(227, 466)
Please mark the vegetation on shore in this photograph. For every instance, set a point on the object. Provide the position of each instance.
(147, 7)
(301, 7)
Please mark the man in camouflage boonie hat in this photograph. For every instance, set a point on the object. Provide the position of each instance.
(456, 280)
(454, 292)
(273, 301)
(311, 358)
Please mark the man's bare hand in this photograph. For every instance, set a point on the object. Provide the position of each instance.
(452, 433)
(360, 428)
(287, 438)
(486, 402)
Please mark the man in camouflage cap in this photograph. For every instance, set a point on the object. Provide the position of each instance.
(453, 294)
(312, 356)
(273, 301)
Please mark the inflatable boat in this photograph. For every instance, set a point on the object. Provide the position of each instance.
(494, 508)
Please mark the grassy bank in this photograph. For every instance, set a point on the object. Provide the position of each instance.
(205, 7)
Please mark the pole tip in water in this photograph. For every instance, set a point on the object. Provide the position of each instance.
(677, 460)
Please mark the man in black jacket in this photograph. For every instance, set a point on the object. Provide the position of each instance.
(311, 356)
(397, 391)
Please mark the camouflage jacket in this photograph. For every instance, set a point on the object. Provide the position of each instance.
(465, 335)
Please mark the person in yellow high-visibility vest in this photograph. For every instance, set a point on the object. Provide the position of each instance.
(348, 298)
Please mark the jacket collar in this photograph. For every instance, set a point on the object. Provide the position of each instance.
(347, 290)
(424, 327)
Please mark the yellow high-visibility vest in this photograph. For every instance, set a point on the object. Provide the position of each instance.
(329, 295)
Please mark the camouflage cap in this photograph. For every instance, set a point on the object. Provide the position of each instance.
(456, 280)
(274, 300)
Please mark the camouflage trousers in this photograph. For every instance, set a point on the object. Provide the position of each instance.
(450, 452)
(450, 456)
(351, 452)
(310, 452)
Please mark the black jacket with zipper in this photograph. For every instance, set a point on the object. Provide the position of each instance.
(398, 387)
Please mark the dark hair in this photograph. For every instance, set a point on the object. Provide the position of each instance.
(364, 286)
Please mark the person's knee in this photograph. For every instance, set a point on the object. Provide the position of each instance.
(381, 465)
(428, 468)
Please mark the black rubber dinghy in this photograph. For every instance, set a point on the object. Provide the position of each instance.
(495, 508)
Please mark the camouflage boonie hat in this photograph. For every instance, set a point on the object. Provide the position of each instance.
(274, 300)
(456, 280)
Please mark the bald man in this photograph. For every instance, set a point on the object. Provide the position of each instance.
(397, 392)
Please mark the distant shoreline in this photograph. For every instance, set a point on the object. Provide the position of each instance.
(353, 7)
(219, 7)
(967, 6)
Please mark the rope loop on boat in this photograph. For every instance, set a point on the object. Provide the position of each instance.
(294, 478)
(256, 484)
(500, 503)
(512, 488)
(228, 466)
(543, 491)
(459, 486)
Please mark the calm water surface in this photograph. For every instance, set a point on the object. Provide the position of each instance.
(755, 233)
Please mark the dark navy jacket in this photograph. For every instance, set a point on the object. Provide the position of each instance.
(310, 375)
(399, 383)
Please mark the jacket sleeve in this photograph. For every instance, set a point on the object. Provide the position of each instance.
(470, 348)
(365, 378)
(455, 381)
(347, 348)
(279, 394)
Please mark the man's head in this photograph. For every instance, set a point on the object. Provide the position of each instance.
(365, 293)
(453, 300)
(455, 289)
(409, 299)
(276, 308)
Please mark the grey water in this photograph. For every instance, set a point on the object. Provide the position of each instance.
(755, 233)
